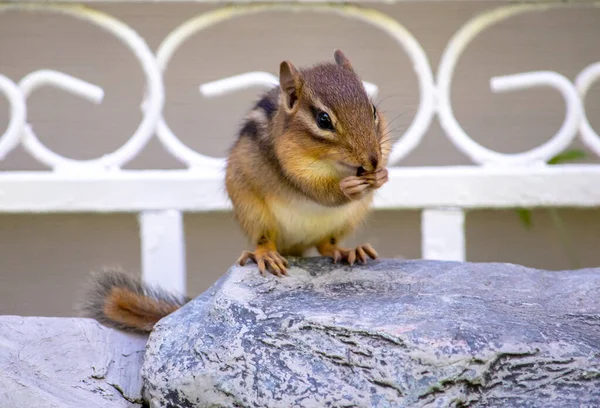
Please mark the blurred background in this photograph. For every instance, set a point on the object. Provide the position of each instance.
(45, 259)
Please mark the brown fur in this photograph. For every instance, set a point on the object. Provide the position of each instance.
(117, 299)
(289, 161)
(135, 310)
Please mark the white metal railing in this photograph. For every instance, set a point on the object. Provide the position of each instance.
(496, 180)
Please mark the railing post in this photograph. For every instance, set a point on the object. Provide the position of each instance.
(163, 249)
(443, 234)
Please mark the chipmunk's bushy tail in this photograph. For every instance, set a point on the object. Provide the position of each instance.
(119, 300)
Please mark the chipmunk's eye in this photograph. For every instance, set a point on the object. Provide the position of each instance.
(324, 121)
(374, 112)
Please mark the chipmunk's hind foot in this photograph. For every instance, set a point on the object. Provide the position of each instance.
(360, 253)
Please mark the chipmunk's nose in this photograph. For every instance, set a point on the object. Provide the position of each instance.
(373, 161)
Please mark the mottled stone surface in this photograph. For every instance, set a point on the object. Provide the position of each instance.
(393, 334)
(68, 363)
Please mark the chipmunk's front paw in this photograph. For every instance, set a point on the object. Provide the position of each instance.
(354, 187)
(271, 260)
(377, 178)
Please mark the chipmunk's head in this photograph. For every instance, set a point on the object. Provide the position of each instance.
(330, 120)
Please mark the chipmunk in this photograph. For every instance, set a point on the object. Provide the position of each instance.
(305, 165)
(302, 174)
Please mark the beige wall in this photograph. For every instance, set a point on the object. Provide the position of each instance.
(44, 259)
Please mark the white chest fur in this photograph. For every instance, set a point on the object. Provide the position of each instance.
(304, 222)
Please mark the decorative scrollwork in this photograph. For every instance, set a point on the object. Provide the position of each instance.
(153, 104)
(434, 94)
(401, 35)
(18, 112)
(583, 82)
(75, 86)
(459, 137)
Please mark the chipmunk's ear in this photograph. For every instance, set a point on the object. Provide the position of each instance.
(290, 81)
(341, 60)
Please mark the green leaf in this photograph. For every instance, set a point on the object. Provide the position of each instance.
(567, 155)
(525, 217)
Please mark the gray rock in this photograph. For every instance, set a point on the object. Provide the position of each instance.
(68, 363)
(392, 334)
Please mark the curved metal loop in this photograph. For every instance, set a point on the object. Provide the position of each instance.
(421, 66)
(155, 89)
(247, 80)
(583, 82)
(18, 115)
(574, 111)
(70, 84)
(240, 82)
(459, 137)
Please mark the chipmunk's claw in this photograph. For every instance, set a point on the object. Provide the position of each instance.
(351, 255)
(354, 187)
(377, 179)
(266, 260)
